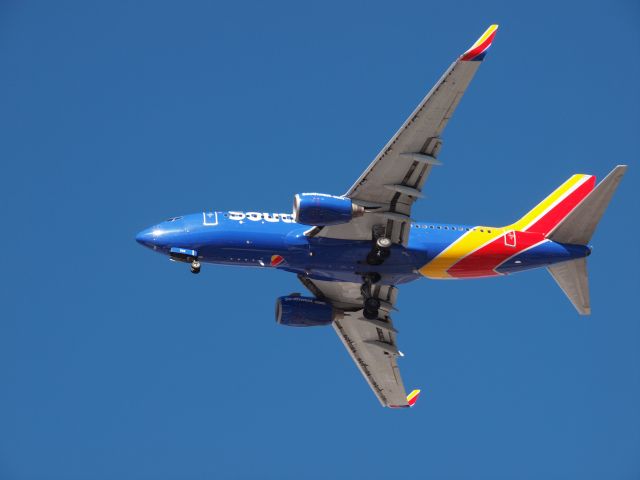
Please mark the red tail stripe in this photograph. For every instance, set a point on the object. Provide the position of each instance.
(546, 223)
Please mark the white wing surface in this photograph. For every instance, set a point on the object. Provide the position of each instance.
(395, 178)
(370, 343)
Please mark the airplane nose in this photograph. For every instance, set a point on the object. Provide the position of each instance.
(145, 237)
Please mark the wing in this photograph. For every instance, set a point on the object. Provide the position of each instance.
(371, 343)
(395, 178)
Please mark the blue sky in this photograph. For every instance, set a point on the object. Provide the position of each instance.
(115, 363)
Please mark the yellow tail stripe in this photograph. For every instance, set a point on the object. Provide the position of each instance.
(465, 245)
(547, 202)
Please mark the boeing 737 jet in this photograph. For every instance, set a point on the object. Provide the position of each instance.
(353, 251)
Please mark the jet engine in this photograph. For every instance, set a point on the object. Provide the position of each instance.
(321, 209)
(297, 311)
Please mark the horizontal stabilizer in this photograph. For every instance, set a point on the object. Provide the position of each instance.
(578, 226)
(573, 279)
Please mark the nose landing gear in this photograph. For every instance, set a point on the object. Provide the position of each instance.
(195, 267)
(185, 255)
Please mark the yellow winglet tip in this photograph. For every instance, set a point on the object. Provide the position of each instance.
(412, 398)
(479, 49)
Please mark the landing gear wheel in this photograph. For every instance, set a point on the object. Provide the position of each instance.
(380, 251)
(370, 314)
(383, 242)
(195, 267)
(371, 304)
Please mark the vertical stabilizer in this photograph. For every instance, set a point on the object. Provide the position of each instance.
(573, 279)
(545, 216)
(577, 228)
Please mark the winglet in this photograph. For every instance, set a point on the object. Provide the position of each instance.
(412, 398)
(479, 49)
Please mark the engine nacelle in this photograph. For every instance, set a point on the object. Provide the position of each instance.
(322, 209)
(297, 311)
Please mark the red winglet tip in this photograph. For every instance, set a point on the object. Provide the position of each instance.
(479, 49)
(412, 398)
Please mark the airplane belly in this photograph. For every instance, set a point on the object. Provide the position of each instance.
(541, 255)
(345, 260)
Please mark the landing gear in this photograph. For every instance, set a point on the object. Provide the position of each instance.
(195, 266)
(185, 255)
(371, 308)
(371, 304)
(380, 251)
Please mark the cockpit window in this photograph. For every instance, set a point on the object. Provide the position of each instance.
(173, 219)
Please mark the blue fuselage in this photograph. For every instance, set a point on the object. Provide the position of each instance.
(274, 240)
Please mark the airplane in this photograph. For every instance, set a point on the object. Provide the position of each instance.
(353, 251)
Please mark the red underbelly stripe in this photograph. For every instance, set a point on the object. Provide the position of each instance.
(483, 261)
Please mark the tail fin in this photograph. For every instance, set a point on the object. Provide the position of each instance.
(545, 216)
(578, 226)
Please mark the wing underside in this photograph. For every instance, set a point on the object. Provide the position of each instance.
(370, 343)
(395, 178)
(387, 190)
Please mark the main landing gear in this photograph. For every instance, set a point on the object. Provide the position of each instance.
(371, 307)
(380, 251)
(195, 266)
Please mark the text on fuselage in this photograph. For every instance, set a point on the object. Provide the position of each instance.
(258, 217)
